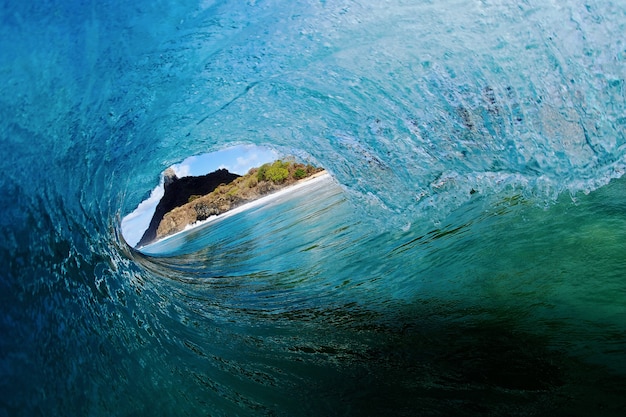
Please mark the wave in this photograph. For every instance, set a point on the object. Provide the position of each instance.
(470, 260)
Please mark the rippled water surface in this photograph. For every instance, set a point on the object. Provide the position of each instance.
(466, 256)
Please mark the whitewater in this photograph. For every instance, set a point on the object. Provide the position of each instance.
(464, 257)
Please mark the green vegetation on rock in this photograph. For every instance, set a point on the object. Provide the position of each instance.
(277, 172)
(299, 173)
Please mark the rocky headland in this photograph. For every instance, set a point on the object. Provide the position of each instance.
(178, 191)
(233, 191)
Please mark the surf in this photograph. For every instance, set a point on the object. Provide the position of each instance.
(468, 260)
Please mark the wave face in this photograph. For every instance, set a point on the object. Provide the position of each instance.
(468, 257)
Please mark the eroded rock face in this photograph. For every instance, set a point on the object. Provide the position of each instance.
(177, 193)
(197, 210)
(204, 211)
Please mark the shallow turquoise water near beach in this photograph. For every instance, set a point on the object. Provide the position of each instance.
(467, 258)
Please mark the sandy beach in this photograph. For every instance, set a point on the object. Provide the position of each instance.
(305, 182)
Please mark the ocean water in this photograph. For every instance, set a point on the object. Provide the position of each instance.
(466, 257)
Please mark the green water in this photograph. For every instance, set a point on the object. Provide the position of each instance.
(532, 298)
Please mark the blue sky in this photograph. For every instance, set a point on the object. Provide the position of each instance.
(238, 159)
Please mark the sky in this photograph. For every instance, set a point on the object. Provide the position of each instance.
(238, 159)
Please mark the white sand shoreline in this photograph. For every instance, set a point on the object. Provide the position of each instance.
(313, 179)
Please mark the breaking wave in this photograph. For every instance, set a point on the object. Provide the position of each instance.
(466, 257)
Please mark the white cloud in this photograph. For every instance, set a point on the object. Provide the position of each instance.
(243, 164)
(252, 157)
(184, 169)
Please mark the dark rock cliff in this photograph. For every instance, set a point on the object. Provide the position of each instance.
(177, 193)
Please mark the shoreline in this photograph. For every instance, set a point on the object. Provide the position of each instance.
(317, 177)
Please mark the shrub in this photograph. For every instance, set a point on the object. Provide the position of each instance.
(252, 182)
(277, 172)
(261, 172)
(193, 197)
(299, 173)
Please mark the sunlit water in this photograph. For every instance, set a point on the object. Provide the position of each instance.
(467, 256)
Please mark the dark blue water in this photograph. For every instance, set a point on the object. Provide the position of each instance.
(467, 258)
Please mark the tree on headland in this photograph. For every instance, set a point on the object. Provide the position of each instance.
(299, 173)
(279, 171)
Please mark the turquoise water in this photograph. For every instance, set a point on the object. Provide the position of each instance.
(467, 256)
